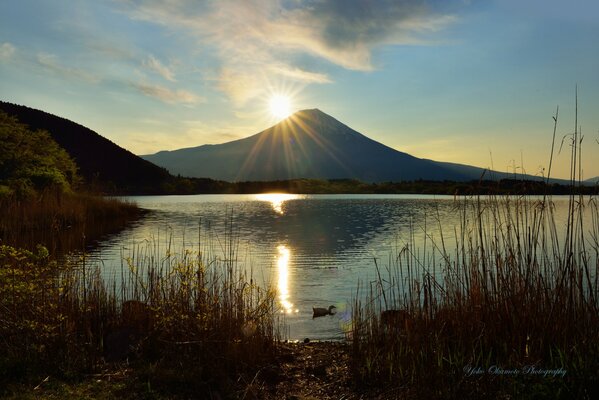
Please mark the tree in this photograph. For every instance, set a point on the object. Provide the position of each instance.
(31, 161)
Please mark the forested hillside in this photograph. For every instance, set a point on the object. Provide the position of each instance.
(103, 165)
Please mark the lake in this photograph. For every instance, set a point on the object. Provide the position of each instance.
(314, 248)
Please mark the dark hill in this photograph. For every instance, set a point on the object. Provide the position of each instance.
(103, 164)
(308, 144)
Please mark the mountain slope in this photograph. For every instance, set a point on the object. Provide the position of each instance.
(100, 161)
(309, 144)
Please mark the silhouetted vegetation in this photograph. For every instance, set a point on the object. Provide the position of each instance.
(104, 166)
(504, 305)
(191, 323)
(70, 221)
(38, 199)
(352, 186)
(509, 295)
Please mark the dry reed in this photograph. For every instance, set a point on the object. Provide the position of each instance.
(62, 222)
(192, 322)
(509, 308)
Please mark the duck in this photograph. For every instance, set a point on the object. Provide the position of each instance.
(321, 312)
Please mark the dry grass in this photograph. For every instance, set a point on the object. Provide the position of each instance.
(511, 294)
(190, 322)
(62, 221)
(509, 309)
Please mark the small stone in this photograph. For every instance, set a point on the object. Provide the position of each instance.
(272, 375)
(319, 371)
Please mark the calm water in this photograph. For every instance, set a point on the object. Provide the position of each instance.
(314, 248)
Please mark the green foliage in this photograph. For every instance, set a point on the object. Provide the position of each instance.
(31, 161)
(30, 320)
(190, 325)
(103, 166)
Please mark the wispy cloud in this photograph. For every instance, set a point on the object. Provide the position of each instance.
(254, 36)
(7, 50)
(158, 136)
(153, 64)
(167, 95)
(300, 74)
(346, 32)
(240, 85)
(51, 63)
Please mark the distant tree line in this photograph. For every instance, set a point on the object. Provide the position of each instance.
(50, 151)
(181, 185)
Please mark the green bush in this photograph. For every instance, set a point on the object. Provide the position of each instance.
(31, 161)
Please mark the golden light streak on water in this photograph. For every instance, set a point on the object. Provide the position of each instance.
(283, 278)
(277, 200)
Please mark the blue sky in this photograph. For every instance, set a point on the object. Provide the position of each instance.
(474, 82)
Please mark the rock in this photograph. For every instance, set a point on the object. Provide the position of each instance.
(319, 371)
(120, 344)
(137, 315)
(122, 340)
(272, 375)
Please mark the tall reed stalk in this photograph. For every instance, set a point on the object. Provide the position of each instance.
(192, 321)
(516, 294)
(62, 222)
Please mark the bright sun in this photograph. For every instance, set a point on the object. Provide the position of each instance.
(279, 106)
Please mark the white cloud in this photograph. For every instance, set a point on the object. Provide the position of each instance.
(300, 74)
(51, 63)
(155, 65)
(156, 137)
(254, 36)
(7, 50)
(168, 95)
(240, 85)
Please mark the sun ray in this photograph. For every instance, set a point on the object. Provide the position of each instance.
(321, 142)
(290, 126)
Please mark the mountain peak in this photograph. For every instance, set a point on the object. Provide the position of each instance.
(314, 111)
(308, 144)
(316, 119)
(311, 114)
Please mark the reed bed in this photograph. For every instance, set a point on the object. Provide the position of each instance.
(508, 309)
(191, 323)
(506, 305)
(62, 222)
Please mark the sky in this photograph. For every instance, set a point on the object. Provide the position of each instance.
(472, 82)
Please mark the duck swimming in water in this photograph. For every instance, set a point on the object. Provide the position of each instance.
(321, 312)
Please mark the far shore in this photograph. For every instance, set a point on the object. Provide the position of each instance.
(182, 186)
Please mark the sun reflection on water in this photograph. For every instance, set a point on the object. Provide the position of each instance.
(277, 199)
(283, 279)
